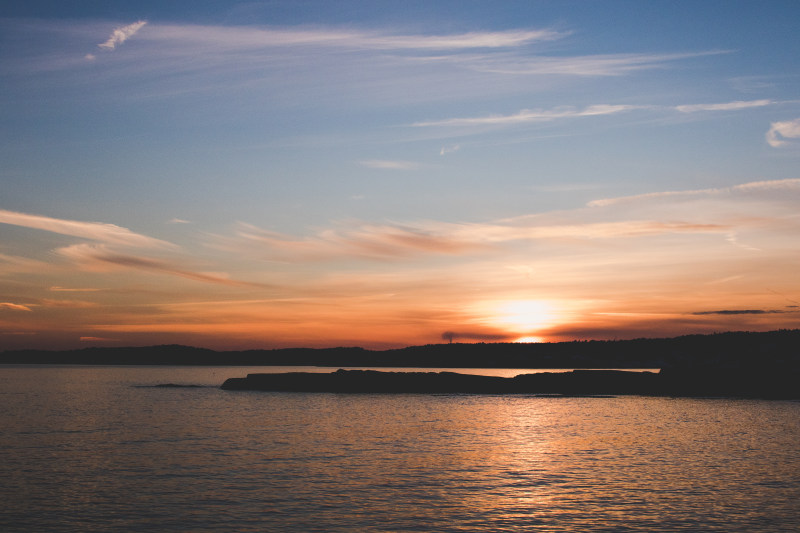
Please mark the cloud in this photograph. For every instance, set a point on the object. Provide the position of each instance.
(499, 52)
(751, 84)
(89, 255)
(387, 164)
(786, 184)
(250, 37)
(365, 241)
(96, 231)
(733, 217)
(528, 115)
(14, 307)
(449, 149)
(537, 228)
(65, 289)
(388, 242)
(779, 132)
(769, 185)
(11, 263)
(120, 35)
(542, 115)
(356, 64)
(178, 221)
(739, 312)
(460, 41)
(729, 106)
(68, 304)
(590, 65)
(605, 202)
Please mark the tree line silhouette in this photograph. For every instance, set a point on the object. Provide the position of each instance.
(774, 349)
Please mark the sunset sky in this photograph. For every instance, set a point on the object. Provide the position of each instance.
(382, 174)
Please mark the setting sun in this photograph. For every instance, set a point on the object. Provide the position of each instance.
(529, 339)
(526, 315)
(521, 320)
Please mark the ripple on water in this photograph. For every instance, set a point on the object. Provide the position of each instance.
(85, 450)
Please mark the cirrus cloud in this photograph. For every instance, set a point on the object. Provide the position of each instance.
(120, 35)
(100, 255)
(96, 231)
(388, 164)
(14, 307)
(530, 115)
(728, 106)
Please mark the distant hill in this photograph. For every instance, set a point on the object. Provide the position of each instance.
(776, 349)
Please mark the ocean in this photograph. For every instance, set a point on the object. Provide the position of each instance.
(87, 449)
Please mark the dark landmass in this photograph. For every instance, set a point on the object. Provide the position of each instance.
(776, 350)
(684, 382)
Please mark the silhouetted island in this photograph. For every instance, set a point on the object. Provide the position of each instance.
(684, 382)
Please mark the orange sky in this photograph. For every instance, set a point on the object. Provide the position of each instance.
(653, 265)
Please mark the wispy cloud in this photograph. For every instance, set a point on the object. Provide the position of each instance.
(584, 65)
(365, 241)
(732, 214)
(740, 312)
(787, 184)
(545, 115)
(498, 52)
(171, 59)
(530, 115)
(449, 149)
(14, 307)
(96, 231)
(248, 37)
(121, 34)
(390, 242)
(68, 304)
(69, 289)
(388, 164)
(729, 106)
(12, 263)
(88, 255)
(779, 132)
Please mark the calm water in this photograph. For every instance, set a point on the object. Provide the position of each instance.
(102, 449)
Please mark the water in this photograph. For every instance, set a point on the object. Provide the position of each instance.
(102, 449)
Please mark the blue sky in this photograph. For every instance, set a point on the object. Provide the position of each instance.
(299, 146)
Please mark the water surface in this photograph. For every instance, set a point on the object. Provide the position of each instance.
(103, 449)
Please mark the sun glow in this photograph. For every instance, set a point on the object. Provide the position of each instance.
(529, 338)
(526, 315)
(523, 320)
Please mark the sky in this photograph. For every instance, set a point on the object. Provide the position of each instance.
(272, 174)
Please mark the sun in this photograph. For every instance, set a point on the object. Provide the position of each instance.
(525, 315)
(529, 338)
(521, 318)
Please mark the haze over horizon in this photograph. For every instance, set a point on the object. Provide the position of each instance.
(282, 174)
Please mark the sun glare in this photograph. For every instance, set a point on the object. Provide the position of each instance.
(525, 318)
(525, 315)
(529, 339)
